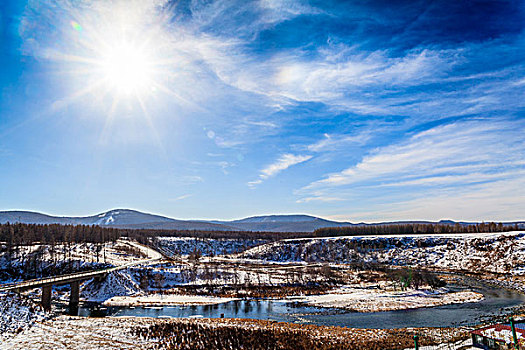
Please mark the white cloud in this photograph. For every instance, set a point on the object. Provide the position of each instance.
(332, 142)
(179, 198)
(493, 201)
(284, 162)
(460, 169)
(437, 152)
(319, 199)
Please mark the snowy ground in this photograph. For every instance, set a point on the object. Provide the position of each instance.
(70, 258)
(80, 333)
(165, 300)
(373, 300)
(17, 313)
(488, 252)
(116, 333)
(295, 262)
(207, 246)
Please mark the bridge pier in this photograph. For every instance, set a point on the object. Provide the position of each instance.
(46, 297)
(74, 298)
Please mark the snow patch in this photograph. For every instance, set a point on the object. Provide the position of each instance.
(116, 283)
(18, 313)
(165, 299)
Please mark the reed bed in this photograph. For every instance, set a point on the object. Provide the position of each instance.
(229, 334)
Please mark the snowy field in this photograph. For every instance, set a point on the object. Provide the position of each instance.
(37, 260)
(121, 333)
(18, 313)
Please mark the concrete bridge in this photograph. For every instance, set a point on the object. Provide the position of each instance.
(73, 279)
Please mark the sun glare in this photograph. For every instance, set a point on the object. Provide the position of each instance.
(127, 69)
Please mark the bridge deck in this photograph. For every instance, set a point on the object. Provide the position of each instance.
(68, 278)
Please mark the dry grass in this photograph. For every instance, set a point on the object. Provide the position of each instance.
(255, 334)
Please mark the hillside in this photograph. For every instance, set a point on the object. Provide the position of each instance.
(133, 219)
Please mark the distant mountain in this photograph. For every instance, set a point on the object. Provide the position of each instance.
(29, 217)
(283, 218)
(283, 223)
(118, 218)
(133, 219)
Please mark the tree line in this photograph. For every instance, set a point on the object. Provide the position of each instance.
(26, 234)
(33, 250)
(413, 228)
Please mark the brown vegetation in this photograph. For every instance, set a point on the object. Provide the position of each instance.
(255, 334)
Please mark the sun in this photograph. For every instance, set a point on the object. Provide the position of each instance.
(117, 52)
(127, 69)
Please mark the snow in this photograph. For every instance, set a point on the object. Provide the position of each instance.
(491, 252)
(117, 333)
(503, 334)
(116, 283)
(80, 333)
(79, 256)
(164, 300)
(373, 300)
(207, 247)
(17, 313)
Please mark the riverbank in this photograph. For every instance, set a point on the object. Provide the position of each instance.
(374, 300)
(66, 332)
(165, 300)
(348, 298)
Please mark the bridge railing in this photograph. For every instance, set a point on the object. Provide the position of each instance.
(71, 276)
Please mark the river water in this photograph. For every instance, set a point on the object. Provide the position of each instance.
(497, 302)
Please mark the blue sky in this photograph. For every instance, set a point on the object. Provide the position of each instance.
(349, 110)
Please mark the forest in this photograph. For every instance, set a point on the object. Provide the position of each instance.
(413, 228)
(26, 234)
(33, 251)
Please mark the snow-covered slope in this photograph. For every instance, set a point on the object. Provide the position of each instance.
(207, 247)
(17, 313)
(493, 252)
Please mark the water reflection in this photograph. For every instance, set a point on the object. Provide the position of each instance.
(496, 302)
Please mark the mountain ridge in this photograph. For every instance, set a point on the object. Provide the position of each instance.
(134, 219)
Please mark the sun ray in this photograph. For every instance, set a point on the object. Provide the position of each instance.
(103, 138)
(151, 125)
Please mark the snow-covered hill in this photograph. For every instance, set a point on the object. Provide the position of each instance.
(491, 252)
(126, 218)
(119, 218)
(133, 219)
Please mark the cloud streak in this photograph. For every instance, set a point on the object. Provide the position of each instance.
(460, 149)
(284, 162)
(463, 161)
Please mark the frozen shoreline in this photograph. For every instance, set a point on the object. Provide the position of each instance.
(367, 300)
(347, 298)
(165, 300)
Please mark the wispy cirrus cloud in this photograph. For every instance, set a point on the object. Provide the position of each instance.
(499, 200)
(284, 162)
(320, 198)
(331, 142)
(461, 154)
(456, 147)
(179, 198)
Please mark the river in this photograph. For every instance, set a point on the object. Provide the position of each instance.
(497, 302)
